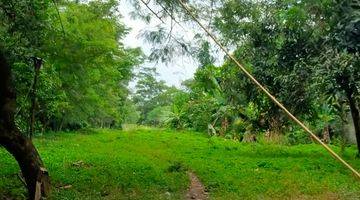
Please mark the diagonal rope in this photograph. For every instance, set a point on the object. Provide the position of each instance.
(252, 78)
(58, 14)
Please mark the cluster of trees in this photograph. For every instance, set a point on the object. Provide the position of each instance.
(85, 72)
(62, 66)
(305, 52)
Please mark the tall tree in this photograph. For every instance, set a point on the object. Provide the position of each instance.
(21, 147)
(148, 88)
(338, 66)
(22, 30)
(86, 71)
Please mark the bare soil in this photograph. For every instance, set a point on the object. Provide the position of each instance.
(196, 189)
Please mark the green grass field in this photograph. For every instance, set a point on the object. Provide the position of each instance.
(153, 164)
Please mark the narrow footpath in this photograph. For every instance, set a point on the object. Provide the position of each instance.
(196, 189)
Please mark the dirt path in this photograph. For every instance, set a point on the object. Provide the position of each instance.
(196, 189)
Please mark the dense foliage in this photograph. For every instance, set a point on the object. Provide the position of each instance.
(306, 53)
(86, 70)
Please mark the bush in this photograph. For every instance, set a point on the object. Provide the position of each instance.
(298, 136)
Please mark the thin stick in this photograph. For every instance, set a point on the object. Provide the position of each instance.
(162, 21)
(20, 176)
(152, 11)
(336, 156)
(58, 13)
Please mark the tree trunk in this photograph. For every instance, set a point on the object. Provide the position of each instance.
(36, 176)
(23, 150)
(37, 65)
(326, 134)
(356, 119)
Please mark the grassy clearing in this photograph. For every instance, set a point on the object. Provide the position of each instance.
(152, 164)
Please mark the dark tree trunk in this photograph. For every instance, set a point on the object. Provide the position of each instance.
(350, 92)
(37, 65)
(23, 150)
(33, 105)
(356, 119)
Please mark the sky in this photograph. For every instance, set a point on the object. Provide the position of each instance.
(181, 68)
